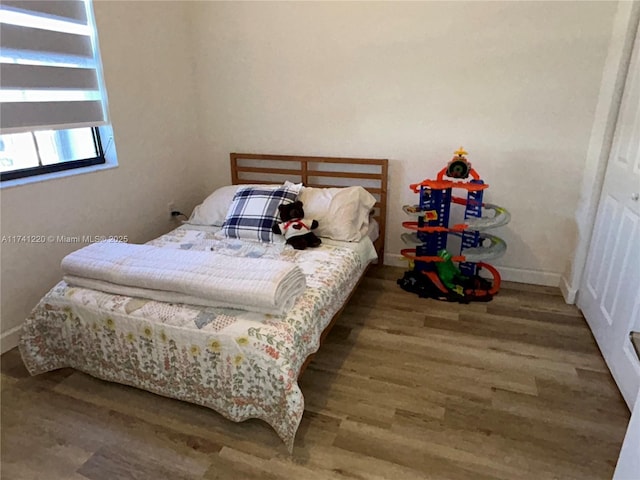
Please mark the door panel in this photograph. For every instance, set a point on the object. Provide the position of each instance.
(602, 238)
(619, 264)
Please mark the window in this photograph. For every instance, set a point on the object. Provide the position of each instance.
(47, 151)
(52, 97)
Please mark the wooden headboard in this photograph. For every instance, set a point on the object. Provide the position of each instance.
(322, 172)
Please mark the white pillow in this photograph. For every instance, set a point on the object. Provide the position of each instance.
(342, 212)
(213, 211)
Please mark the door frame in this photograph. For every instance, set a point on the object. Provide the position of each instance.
(615, 70)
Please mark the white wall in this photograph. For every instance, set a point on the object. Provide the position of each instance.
(516, 83)
(148, 69)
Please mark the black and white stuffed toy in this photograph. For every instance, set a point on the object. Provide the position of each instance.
(295, 228)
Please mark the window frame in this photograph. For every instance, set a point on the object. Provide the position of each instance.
(61, 166)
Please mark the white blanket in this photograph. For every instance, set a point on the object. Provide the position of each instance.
(185, 276)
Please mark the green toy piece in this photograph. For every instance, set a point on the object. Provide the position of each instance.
(449, 273)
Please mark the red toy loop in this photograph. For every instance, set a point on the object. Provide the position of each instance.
(410, 253)
(496, 277)
(441, 184)
(460, 227)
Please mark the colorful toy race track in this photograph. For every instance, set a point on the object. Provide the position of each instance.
(434, 274)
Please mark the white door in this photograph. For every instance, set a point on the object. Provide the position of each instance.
(628, 467)
(609, 293)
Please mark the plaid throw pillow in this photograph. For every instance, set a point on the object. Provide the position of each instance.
(254, 211)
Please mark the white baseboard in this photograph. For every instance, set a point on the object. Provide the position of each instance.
(395, 260)
(534, 277)
(510, 274)
(568, 292)
(10, 338)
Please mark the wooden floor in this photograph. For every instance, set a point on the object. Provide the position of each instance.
(404, 388)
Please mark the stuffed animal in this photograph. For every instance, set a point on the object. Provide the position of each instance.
(295, 228)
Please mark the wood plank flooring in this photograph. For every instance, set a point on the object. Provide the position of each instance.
(404, 388)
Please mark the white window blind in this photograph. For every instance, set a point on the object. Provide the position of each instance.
(50, 70)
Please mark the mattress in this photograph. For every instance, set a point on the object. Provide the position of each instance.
(241, 364)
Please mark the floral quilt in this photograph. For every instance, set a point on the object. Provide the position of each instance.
(241, 364)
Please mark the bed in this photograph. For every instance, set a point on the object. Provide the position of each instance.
(241, 363)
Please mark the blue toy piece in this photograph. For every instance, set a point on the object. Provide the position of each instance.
(471, 238)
